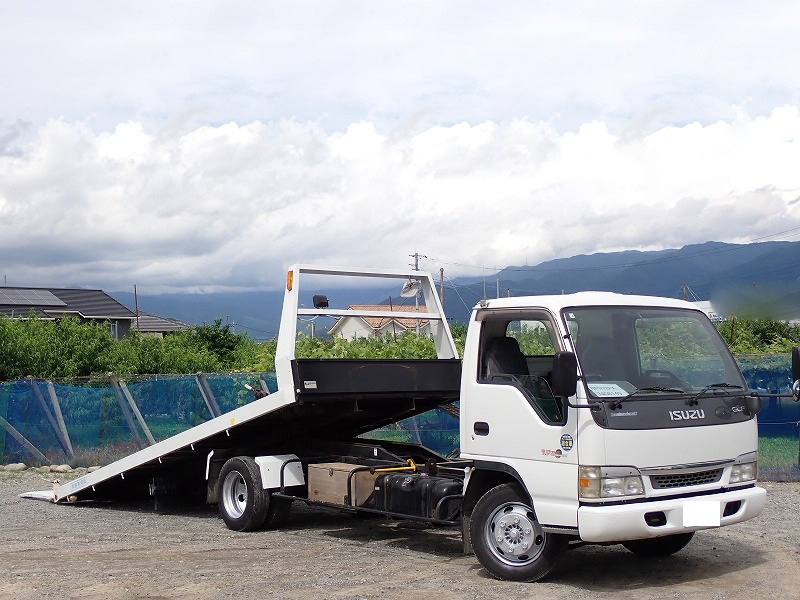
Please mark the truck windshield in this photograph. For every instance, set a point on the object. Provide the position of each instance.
(650, 353)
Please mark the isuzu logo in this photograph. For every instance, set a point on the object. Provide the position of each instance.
(686, 415)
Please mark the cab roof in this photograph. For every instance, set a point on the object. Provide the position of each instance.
(556, 303)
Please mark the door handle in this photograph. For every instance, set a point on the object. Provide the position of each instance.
(480, 428)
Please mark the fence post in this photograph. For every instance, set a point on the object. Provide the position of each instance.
(61, 436)
(51, 391)
(126, 412)
(208, 395)
(136, 412)
(21, 439)
(415, 430)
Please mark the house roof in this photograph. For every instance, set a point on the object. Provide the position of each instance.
(378, 322)
(148, 323)
(47, 303)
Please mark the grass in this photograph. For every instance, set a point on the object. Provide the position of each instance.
(777, 452)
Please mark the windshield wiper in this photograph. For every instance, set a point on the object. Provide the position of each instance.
(713, 386)
(615, 403)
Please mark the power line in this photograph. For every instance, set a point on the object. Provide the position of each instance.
(455, 289)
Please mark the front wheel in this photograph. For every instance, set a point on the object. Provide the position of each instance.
(508, 539)
(660, 546)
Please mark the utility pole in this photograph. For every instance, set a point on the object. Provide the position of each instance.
(683, 287)
(136, 302)
(416, 256)
(441, 285)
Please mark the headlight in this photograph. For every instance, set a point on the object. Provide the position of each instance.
(742, 472)
(745, 468)
(609, 482)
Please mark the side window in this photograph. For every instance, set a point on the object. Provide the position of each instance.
(533, 336)
(520, 353)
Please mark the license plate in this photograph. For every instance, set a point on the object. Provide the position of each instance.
(701, 513)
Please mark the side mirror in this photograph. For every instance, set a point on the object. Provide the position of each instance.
(753, 404)
(564, 377)
(796, 373)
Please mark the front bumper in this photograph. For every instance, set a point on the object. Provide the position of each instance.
(627, 521)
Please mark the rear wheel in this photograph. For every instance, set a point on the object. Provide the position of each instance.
(508, 539)
(660, 546)
(243, 502)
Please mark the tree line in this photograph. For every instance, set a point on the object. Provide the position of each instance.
(66, 348)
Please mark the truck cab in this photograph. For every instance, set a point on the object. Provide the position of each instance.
(602, 418)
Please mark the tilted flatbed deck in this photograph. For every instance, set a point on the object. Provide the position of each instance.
(317, 400)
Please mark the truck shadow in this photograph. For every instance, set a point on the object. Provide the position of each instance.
(612, 568)
(433, 541)
(443, 542)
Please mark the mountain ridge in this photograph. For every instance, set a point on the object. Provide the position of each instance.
(738, 275)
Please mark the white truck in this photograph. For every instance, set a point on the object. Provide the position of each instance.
(584, 418)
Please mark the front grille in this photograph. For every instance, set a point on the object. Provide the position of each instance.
(675, 480)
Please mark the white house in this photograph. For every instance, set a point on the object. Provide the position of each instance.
(351, 328)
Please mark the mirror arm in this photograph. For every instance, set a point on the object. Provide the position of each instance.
(763, 395)
(591, 406)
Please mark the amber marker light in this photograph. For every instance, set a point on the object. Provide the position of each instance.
(289, 280)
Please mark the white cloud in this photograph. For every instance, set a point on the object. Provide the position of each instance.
(410, 64)
(208, 144)
(229, 207)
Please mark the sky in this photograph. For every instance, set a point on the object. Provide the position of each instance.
(199, 146)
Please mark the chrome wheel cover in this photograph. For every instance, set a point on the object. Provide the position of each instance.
(514, 535)
(234, 494)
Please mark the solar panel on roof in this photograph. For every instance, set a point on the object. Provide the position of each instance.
(19, 297)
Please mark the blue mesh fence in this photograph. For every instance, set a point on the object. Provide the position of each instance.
(779, 420)
(93, 414)
(99, 432)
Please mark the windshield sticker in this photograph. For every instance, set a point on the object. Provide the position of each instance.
(566, 442)
(606, 390)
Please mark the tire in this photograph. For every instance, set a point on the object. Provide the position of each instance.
(524, 552)
(243, 502)
(660, 546)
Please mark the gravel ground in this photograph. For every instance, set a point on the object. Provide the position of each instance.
(102, 551)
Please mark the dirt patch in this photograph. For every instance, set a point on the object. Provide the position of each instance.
(105, 551)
